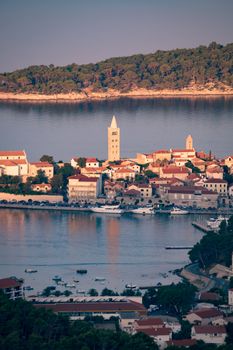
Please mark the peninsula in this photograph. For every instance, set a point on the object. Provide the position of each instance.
(202, 71)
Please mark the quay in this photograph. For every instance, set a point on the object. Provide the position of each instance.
(178, 247)
(202, 227)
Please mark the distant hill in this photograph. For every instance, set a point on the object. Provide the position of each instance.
(210, 66)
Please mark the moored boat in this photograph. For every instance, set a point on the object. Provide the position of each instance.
(30, 270)
(178, 211)
(108, 209)
(143, 211)
(81, 271)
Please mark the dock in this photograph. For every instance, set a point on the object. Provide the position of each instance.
(178, 247)
(202, 227)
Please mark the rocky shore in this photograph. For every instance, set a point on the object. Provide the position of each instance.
(87, 95)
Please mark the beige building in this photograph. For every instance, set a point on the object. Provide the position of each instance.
(12, 287)
(144, 189)
(124, 173)
(193, 196)
(216, 185)
(41, 187)
(43, 166)
(209, 334)
(92, 163)
(189, 142)
(13, 163)
(161, 155)
(185, 154)
(13, 155)
(82, 187)
(180, 173)
(113, 141)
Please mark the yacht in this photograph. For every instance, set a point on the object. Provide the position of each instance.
(108, 209)
(143, 211)
(130, 286)
(214, 223)
(30, 270)
(178, 211)
(100, 279)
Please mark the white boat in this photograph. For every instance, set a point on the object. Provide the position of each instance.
(30, 270)
(70, 285)
(130, 286)
(178, 211)
(57, 278)
(100, 279)
(108, 209)
(143, 211)
(215, 223)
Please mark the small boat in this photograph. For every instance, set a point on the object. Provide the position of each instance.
(61, 283)
(75, 280)
(70, 285)
(143, 210)
(81, 272)
(178, 211)
(215, 223)
(28, 288)
(108, 209)
(57, 278)
(100, 279)
(80, 291)
(130, 286)
(30, 270)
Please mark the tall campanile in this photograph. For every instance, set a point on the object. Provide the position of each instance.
(113, 141)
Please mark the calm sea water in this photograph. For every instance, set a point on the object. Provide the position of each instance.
(122, 249)
(68, 130)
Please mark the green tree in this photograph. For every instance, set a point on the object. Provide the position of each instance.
(93, 292)
(47, 158)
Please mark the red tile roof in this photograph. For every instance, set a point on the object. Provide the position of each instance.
(175, 170)
(9, 283)
(12, 153)
(126, 306)
(152, 321)
(215, 181)
(7, 162)
(209, 296)
(209, 329)
(183, 150)
(83, 178)
(41, 164)
(161, 151)
(207, 313)
(152, 332)
(91, 160)
(190, 190)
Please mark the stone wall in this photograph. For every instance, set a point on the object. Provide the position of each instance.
(40, 197)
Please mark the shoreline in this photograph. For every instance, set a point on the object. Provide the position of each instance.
(88, 96)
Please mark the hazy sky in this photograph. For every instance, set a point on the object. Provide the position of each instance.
(82, 31)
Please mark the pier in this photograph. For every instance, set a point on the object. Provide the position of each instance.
(202, 227)
(178, 247)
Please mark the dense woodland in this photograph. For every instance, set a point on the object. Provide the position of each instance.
(175, 69)
(214, 248)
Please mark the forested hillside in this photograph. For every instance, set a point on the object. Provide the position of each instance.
(176, 69)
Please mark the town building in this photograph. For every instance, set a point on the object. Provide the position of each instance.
(204, 316)
(145, 190)
(81, 187)
(228, 161)
(13, 155)
(209, 334)
(113, 141)
(215, 172)
(123, 174)
(103, 307)
(189, 142)
(46, 167)
(161, 155)
(13, 163)
(174, 171)
(183, 343)
(92, 163)
(113, 189)
(41, 187)
(12, 287)
(216, 185)
(191, 196)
